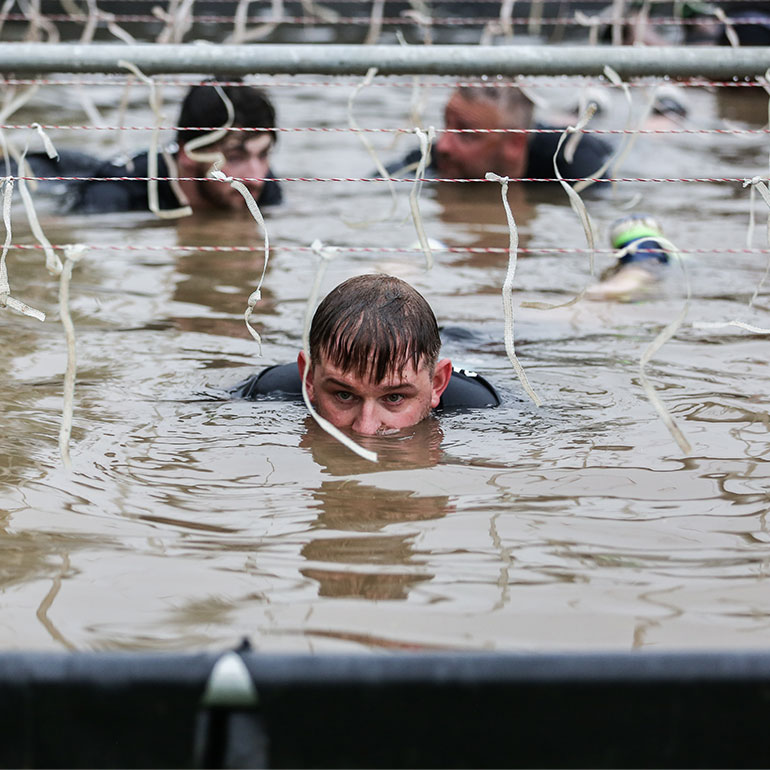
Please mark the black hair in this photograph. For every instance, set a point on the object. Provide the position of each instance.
(373, 326)
(203, 106)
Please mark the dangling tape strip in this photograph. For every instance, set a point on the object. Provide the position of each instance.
(325, 255)
(513, 245)
(253, 208)
(426, 140)
(152, 155)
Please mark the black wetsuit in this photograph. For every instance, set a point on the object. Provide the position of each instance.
(591, 153)
(466, 390)
(92, 197)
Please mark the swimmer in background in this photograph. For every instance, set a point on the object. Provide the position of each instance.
(246, 154)
(374, 367)
(515, 155)
(642, 261)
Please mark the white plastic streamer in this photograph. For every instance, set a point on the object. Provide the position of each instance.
(513, 246)
(423, 21)
(592, 22)
(621, 152)
(72, 254)
(311, 8)
(631, 133)
(177, 19)
(11, 103)
(761, 187)
(6, 300)
(657, 344)
(253, 208)
(506, 12)
(325, 255)
(722, 324)
(152, 156)
(576, 202)
(765, 81)
(4, 12)
(52, 262)
(192, 147)
(216, 158)
(242, 35)
(370, 149)
(375, 22)
(730, 33)
(426, 140)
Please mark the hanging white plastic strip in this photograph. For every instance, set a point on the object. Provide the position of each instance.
(372, 152)
(507, 292)
(52, 262)
(6, 300)
(152, 155)
(761, 186)
(72, 254)
(426, 140)
(723, 324)
(253, 208)
(325, 255)
(658, 343)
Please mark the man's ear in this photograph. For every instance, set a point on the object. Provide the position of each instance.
(515, 153)
(302, 364)
(441, 376)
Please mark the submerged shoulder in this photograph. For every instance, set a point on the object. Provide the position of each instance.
(278, 381)
(468, 390)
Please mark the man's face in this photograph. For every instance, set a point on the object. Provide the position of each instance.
(246, 155)
(370, 408)
(470, 156)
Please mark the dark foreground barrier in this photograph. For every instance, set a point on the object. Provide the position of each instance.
(418, 710)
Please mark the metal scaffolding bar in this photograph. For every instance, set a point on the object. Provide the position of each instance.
(459, 60)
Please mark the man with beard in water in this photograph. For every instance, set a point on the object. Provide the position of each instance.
(374, 363)
(476, 143)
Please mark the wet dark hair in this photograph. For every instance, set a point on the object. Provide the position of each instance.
(203, 106)
(374, 325)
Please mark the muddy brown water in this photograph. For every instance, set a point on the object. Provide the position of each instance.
(189, 521)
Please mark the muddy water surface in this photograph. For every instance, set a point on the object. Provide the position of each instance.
(189, 521)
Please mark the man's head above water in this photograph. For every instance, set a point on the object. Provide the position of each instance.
(246, 154)
(471, 155)
(374, 366)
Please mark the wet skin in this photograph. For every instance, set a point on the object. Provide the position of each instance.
(370, 408)
(244, 158)
(470, 156)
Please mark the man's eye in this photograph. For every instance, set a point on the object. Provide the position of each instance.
(394, 398)
(344, 395)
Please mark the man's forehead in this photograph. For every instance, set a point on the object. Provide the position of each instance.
(254, 142)
(468, 110)
(396, 374)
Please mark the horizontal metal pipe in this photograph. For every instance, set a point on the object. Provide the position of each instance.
(628, 61)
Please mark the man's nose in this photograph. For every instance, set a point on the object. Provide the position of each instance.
(367, 421)
(254, 168)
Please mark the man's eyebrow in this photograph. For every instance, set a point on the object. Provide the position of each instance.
(400, 386)
(339, 383)
(388, 388)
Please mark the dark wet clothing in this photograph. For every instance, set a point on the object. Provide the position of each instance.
(466, 390)
(93, 197)
(591, 153)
